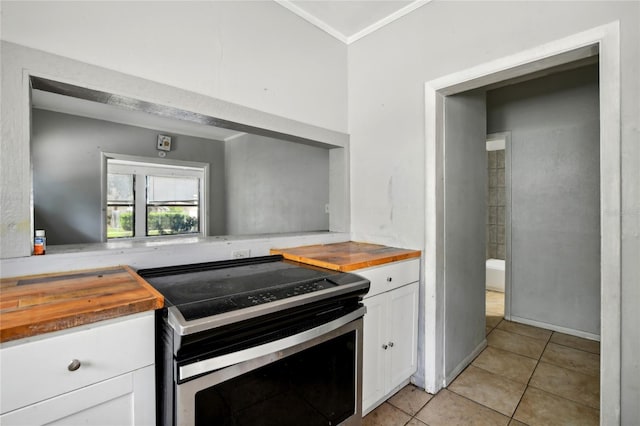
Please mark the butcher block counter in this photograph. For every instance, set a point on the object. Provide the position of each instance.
(32, 305)
(347, 256)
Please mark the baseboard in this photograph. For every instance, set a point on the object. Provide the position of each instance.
(552, 327)
(465, 362)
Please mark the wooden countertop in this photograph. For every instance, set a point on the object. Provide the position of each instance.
(347, 256)
(36, 304)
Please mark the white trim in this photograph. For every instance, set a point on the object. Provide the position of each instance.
(161, 162)
(604, 40)
(149, 166)
(573, 48)
(140, 168)
(508, 267)
(348, 39)
(313, 20)
(610, 226)
(387, 20)
(565, 330)
(434, 243)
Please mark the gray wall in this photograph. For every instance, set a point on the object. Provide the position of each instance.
(465, 228)
(257, 185)
(66, 154)
(284, 186)
(555, 210)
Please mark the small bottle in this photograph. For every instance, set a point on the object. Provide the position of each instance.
(40, 242)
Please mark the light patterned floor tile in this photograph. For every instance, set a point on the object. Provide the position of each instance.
(507, 364)
(568, 384)
(488, 389)
(449, 409)
(592, 346)
(573, 359)
(410, 399)
(541, 408)
(386, 415)
(516, 343)
(525, 330)
(494, 303)
(493, 320)
(563, 389)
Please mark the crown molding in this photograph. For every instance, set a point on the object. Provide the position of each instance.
(387, 20)
(288, 4)
(313, 20)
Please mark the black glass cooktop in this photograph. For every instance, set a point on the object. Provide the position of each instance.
(206, 289)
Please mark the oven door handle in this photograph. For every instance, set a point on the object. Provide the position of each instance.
(201, 367)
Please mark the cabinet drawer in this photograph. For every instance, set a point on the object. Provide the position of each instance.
(39, 368)
(390, 276)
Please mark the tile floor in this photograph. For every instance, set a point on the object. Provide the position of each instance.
(525, 376)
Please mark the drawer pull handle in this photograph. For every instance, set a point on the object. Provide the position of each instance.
(384, 346)
(389, 279)
(75, 364)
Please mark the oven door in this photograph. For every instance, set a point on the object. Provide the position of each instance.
(310, 378)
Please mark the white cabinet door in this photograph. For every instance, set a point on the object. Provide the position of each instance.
(403, 334)
(126, 400)
(373, 356)
(390, 330)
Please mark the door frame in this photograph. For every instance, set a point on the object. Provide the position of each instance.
(605, 42)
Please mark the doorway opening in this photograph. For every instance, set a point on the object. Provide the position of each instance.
(496, 212)
(445, 353)
(550, 174)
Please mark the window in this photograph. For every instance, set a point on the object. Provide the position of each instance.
(120, 204)
(146, 199)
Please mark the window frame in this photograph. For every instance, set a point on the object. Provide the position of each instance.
(120, 163)
(131, 205)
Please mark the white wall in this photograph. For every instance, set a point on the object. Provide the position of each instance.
(387, 72)
(259, 55)
(254, 53)
(249, 62)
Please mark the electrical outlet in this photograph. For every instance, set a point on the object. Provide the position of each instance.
(326, 208)
(240, 254)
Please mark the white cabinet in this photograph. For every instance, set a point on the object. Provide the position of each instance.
(114, 382)
(390, 330)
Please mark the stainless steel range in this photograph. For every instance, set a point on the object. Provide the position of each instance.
(258, 341)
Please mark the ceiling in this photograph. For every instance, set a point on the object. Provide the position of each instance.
(350, 20)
